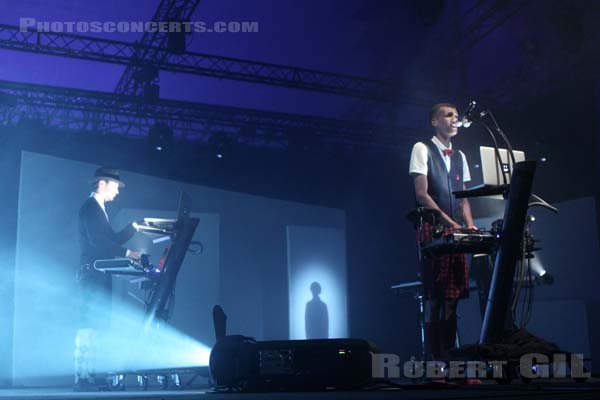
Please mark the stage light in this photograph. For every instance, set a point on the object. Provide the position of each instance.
(538, 269)
(160, 137)
(221, 145)
(233, 359)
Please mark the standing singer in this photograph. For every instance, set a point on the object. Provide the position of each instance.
(438, 170)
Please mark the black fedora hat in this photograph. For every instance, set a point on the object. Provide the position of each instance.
(108, 174)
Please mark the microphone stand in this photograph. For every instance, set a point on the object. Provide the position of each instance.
(539, 201)
(496, 149)
(503, 135)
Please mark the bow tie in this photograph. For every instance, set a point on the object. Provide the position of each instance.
(448, 152)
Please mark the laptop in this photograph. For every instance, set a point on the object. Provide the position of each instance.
(492, 170)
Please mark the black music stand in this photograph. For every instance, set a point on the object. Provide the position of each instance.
(180, 232)
(183, 231)
(416, 290)
(418, 216)
(497, 316)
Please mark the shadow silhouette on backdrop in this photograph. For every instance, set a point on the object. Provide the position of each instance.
(316, 316)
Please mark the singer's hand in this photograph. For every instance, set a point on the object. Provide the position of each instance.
(454, 225)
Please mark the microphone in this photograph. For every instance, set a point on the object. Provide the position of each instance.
(466, 121)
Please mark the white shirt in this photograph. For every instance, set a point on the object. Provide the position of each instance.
(418, 159)
(100, 203)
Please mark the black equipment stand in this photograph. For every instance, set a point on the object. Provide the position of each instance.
(415, 289)
(497, 316)
(180, 231)
(509, 251)
(182, 234)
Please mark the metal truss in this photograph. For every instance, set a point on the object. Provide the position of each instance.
(151, 46)
(119, 52)
(109, 113)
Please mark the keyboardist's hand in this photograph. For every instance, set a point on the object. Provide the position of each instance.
(472, 228)
(137, 224)
(134, 255)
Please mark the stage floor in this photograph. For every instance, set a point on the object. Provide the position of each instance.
(540, 390)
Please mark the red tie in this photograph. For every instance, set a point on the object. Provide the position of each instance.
(448, 152)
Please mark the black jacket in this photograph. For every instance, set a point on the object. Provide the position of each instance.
(97, 239)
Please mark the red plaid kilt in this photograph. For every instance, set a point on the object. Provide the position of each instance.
(444, 277)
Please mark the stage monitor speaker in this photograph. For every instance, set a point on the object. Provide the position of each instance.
(239, 362)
